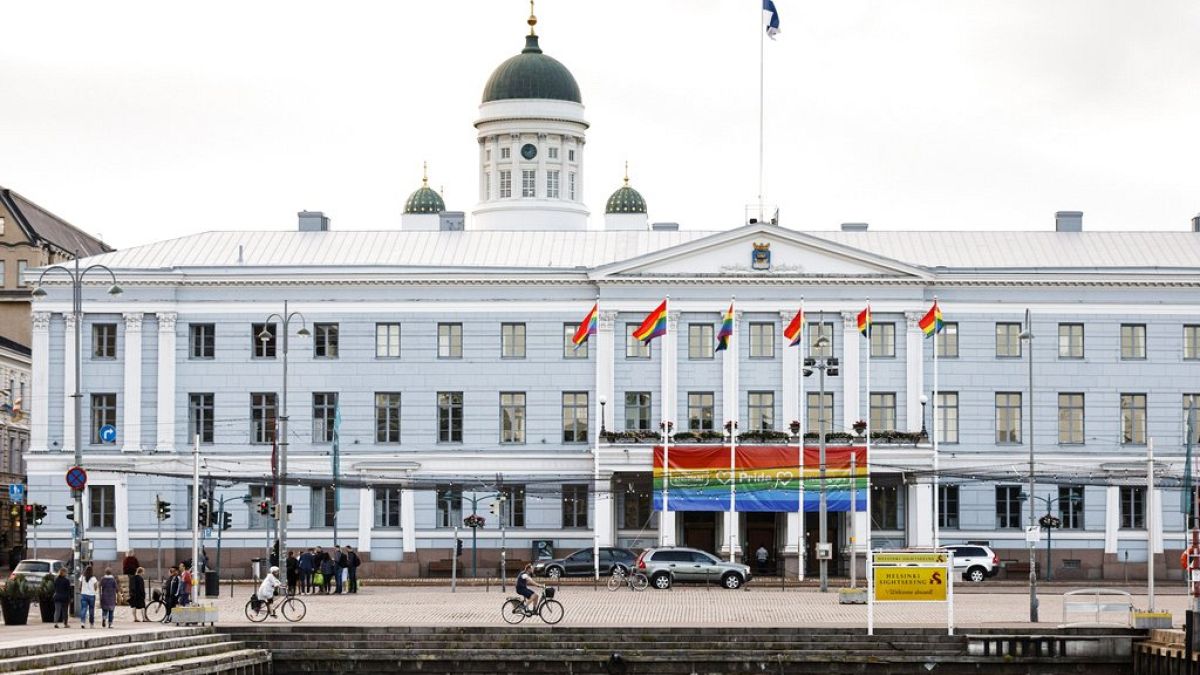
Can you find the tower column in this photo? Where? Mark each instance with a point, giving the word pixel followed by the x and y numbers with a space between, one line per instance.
pixel 39 436
pixel 69 421
pixel 165 433
pixel 851 369
pixel 131 436
pixel 915 364
pixel 541 181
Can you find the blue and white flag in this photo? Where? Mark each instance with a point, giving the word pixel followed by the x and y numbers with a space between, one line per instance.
pixel 770 18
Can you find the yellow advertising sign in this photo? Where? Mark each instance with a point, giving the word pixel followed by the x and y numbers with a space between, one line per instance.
pixel 909 558
pixel 912 584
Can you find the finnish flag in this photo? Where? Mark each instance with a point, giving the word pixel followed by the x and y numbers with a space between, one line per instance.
pixel 770 18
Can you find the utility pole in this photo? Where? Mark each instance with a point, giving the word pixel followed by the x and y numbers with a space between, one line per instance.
pixel 1027 335
pixel 195 512
pixel 823 364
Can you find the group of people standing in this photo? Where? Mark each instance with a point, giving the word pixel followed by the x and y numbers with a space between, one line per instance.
pixel 319 571
pixel 90 589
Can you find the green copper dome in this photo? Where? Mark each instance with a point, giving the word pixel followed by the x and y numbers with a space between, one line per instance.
pixel 531 74
pixel 424 200
pixel 626 200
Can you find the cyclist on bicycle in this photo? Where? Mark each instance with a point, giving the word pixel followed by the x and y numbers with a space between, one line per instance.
pixel 524 581
pixel 266 590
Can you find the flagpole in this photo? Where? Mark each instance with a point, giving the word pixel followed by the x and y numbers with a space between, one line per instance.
pixel 853 476
pixel 936 469
pixel 803 419
pixel 761 111
pixel 732 444
pixel 662 533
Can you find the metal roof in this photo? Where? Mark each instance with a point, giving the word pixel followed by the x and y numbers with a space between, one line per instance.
pixel 965 251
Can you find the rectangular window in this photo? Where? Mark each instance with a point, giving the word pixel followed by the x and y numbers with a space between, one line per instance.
pixel 325 340
pixel 570 155
pixel 816 331
pixel 552 153
pixel 636 503
pixel 948 506
pixel 262 418
pixel 762 340
pixel 200 417
pixel 321 507
pixel 512 340
pixel 575 416
pixel 700 411
pixel 450 416
pixel 512 509
pixel 552 184
pixel 1008 418
pixel 1191 342
pixel 528 183
pixel 324 410
pixel 256 520
pixel 571 181
pixel 505 153
pixel 820 414
pixel 505 180
pixel 3 280
pixel 104 341
pixel 883 411
pixel 202 339
pixel 102 506
pixel 1070 506
pixel 947 341
pixel 887 503
pixel 1133 341
pixel 1190 400
pixel 761 408
pixel 637 411
pixel 1070 341
pixel 575 506
pixel 104 411
pixel 1008 340
pixel 512 417
pixel 487 183
pixel 883 340
pixel 947 412
pixel 387 340
pixel 262 340
pixel 387 417
pixel 635 348
pixel 1133 508
pixel 570 350
pixel 22 265
pixel 1133 419
pixel 1070 419
pixel 450 341
pixel 387 507
pixel 1008 507
pixel 700 341
pixel 449 506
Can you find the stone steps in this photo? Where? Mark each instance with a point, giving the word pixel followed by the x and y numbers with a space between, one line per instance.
pixel 96 652
pixel 181 651
pixel 94 638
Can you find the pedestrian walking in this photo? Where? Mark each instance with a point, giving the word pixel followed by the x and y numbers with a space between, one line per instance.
pixel 62 598
pixel 305 566
pixel 108 598
pixel 88 587
pixel 137 592
pixel 352 569
pixel 185 585
pixel 170 593
pixel 292 567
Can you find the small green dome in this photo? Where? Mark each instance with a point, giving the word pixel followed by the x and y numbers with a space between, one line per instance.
pixel 626 200
pixel 424 200
pixel 531 74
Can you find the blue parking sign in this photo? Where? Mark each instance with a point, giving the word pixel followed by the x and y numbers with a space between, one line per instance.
pixel 16 492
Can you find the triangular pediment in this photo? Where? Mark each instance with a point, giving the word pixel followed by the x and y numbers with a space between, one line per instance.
pixel 762 250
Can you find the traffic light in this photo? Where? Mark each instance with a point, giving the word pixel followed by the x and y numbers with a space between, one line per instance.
pixel 809 364
pixel 832 369
pixel 39 514
pixel 226 520
pixel 264 507
pixel 494 508
pixel 203 519
pixel 162 509
pixel 458 548
pixel 71 512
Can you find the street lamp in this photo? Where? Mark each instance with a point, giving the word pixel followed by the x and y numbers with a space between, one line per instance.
pixel 824 364
pixel 1027 336
pixel 603 402
pixel 77 275
pixel 924 402
pixel 1048 522
pixel 281 436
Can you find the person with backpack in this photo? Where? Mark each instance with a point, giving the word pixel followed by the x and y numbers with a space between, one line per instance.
pixel 341 562
pixel 352 568
pixel 328 570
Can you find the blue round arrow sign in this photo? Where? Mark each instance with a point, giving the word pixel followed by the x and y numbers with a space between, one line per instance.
pixel 108 433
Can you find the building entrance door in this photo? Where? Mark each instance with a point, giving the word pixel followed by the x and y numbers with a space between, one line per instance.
pixel 762 531
pixel 812 534
pixel 700 530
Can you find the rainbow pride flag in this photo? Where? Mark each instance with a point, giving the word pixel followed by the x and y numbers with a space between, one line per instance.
pixel 932 322
pixel 726 331
pixel 794 332
pixel 864 320
pixel 587 327
pixel 654 325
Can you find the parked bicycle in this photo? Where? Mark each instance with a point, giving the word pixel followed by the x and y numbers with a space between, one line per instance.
pixel 292 608
pixel 513 610
pixel 155 609
pixel 634 580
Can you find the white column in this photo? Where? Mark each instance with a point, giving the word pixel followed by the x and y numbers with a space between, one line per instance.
pixel 793 532
pixel 366 517
pixel 605 366
pixel 408 520
pixel 514 154
pixel 915 366
pixel 579 171
pixel 850 372
pixel 540 182
pixel 69 420
pixel 730 521
pixel 1155 536
pixel 730 401
pixel 121 515
pixel 919 525
pixel 603 509
pixel 791 379
pixel 39 390
pixel 1112 518
pixel 166 382
pixel 860 531
pixel 131 435
pixel 670 344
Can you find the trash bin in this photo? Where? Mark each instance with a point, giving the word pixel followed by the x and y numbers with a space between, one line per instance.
pixel 256 567
pixel 212 585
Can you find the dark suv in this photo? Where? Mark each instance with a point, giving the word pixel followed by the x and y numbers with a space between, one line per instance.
pixel 581 563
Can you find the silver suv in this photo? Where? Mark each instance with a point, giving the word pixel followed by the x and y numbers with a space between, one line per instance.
pixel 665 566
pixel 975 562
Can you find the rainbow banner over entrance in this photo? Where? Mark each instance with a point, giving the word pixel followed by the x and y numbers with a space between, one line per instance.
pixel 768 478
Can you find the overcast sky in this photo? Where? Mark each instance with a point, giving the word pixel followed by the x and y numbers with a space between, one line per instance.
pixel 148 120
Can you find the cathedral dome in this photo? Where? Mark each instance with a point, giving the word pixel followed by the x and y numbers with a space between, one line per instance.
pixel 626 200
pixel 424 200
pixel 531 74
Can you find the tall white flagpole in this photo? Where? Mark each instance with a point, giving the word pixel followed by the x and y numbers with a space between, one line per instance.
pixel 936 459
pixel 666 489
pixel 867 468
pixel 761 109
pixel 733 446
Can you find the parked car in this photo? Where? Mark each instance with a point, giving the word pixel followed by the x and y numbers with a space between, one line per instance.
pixel 34 571
pixel 666 566
pixel 975 562
pixel 581 564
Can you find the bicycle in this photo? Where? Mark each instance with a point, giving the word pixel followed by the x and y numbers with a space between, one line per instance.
pixel 292 608
pixel 636 581
pixel 155 610
pixel 551 610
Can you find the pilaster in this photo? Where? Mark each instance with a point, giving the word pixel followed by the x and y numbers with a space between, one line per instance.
pixel 791 398
pixel 851 370
pixel 1112 518
pixel 165 435
pixel 39 432
pixel 1155 535
pixel 121 515
pixel 366 517
pixel 670 345
pixel 540 183
pixel 919 531
pixel 605 367
pixel 408 520
pixel 131 435
pixel 69 421
pixel 915 367
pixel 603 491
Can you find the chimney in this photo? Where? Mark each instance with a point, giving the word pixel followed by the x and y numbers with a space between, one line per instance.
pixel 313 221
pixel 854 227
pixel 1196 223
pixel 1068 221
pixel 664 227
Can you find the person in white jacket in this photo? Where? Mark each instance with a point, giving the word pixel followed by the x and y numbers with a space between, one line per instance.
pixel 266 590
